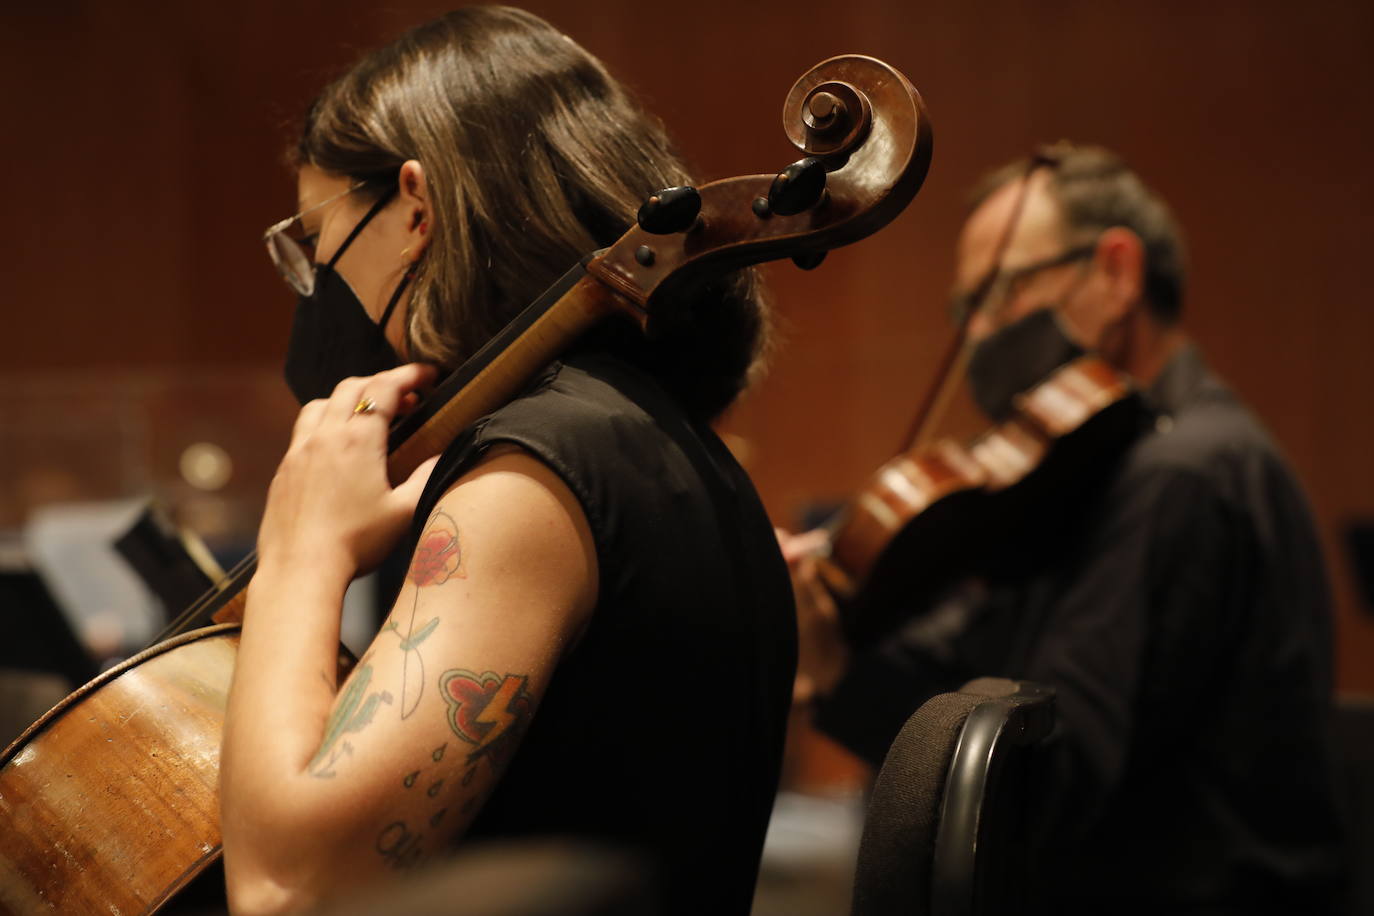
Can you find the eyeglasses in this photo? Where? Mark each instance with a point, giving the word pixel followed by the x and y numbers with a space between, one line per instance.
pixel 999 287
pixel 295 264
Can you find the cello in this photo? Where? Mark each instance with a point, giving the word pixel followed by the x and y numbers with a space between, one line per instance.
pixel 111 799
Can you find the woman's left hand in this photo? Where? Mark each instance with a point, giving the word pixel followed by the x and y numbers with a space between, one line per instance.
pixel 330 500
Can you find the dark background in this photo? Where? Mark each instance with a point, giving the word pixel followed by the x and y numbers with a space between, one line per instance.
pixel 142 159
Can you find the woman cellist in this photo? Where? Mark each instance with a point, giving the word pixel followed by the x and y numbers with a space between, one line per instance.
pixel 595 634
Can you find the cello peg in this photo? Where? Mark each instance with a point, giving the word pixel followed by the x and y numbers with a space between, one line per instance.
pixel 798 187
pixel 809 260
pixel 670 210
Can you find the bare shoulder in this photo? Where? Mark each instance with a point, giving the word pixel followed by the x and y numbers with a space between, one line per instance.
pixel 512 524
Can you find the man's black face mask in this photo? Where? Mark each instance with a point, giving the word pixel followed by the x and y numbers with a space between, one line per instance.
pixel 1015 357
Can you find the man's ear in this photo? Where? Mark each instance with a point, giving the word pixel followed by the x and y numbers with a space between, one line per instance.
pixel 1120 264
pixel 414 195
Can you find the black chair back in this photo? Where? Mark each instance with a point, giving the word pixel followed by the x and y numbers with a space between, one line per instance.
pixel 1354 727
pixel 945 829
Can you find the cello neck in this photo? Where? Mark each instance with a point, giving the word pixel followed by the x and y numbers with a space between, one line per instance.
pixel 497 372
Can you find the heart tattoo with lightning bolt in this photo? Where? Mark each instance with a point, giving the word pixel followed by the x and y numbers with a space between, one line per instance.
pixel 487 710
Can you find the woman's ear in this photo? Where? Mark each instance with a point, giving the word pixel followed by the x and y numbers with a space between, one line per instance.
pixel 414 195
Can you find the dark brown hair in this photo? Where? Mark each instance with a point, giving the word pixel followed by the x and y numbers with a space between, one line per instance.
pixel 1095 191
pixel 534 155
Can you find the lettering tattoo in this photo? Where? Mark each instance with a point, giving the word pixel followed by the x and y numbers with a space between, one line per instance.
pixel 488 711
pixel 353 711
pixel 438 558
pixel 399 846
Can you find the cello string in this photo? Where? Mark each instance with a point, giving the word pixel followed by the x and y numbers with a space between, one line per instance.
pixel 194 609
pixel 197 607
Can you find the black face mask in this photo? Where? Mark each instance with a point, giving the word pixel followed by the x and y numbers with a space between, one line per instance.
pixel 332 336
pixel 1015 358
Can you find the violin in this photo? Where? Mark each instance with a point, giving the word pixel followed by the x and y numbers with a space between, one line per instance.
pixel 969 510
pixel 111 798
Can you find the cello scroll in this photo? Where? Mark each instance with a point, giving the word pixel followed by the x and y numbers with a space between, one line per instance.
pixel 867 126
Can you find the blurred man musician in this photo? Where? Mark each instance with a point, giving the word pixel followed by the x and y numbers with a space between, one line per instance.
pixel 1181 614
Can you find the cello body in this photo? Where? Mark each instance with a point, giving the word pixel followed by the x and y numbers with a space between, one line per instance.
pixel 110 802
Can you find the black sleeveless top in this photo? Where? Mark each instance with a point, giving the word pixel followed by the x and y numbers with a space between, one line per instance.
pixel 662 729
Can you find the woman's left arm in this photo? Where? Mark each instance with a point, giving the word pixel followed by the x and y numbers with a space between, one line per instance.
pixel 324 786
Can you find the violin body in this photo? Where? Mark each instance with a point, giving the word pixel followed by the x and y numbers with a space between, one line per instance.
pixel 976 510
pixel 112 798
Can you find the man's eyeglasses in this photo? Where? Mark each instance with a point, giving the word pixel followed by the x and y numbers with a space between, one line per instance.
pixel 292 251
pixel 1001 286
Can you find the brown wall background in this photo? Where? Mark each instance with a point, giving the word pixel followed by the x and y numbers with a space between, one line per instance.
pixel 141 162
